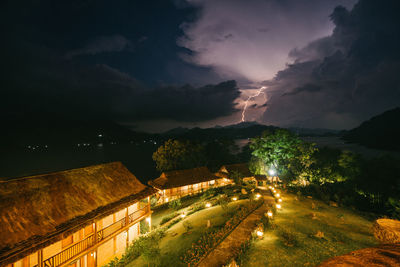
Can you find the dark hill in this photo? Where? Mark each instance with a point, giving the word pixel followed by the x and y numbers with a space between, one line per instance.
pixel 380 132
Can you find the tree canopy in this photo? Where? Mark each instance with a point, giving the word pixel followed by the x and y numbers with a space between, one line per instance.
pixel 175 155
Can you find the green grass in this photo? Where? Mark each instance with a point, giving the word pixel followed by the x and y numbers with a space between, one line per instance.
pixel 177 241
pixel 162 212
pixel 344 231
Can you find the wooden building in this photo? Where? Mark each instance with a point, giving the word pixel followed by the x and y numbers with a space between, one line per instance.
pixel 79 217
pixel 175 184
pixel 228 171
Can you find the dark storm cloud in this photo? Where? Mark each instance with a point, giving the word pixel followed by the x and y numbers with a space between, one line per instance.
pixel 305 88
pixel 97 59
pixel 353 73
pixel 114 43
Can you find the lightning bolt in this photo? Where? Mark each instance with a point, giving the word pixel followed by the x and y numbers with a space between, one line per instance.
pixel 259 92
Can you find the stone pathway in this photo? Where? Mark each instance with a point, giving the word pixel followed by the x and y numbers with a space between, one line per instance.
pixel 231 244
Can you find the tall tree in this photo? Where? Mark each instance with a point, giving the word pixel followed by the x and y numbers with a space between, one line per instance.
pixel 282 151
pixel 175 155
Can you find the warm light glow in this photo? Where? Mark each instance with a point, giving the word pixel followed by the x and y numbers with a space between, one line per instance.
pixel 270 214
pixel 270 187
pixel 183 215
pixel 260 233
pixel 274 191
pixel 148 219
pixel 280 200
pixel 212 182
pixel 234 198
pixel 278 195
pixel 208 205
pixel 278 206
pixel 258 195
pixel 271 172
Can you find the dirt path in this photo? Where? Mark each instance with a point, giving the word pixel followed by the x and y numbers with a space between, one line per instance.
pixel 227 248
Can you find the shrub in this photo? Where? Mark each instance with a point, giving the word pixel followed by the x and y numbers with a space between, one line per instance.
pixel 175 204
pixel 174 222
pixel 153 201
pixel 223 201
pixel 144 227
pixel 168 218
pixel 393 206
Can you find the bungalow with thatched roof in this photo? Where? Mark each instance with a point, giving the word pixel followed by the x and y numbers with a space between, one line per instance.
pixel 228 171
pixel 176 184
pixel 78 217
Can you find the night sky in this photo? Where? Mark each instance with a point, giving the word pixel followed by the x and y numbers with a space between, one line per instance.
pixel 155 65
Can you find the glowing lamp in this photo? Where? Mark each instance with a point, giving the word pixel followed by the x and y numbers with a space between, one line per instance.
pixel 234 198
pixel 260 233
pixel 278 206
pixel 183 215
pixel 271 172
pixel 166 199
pixel 208 205
pixel 258 195
pixel 280 200
pixel 278 195
pixel 270 214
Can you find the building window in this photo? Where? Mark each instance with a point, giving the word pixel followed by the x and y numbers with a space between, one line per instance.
pixel 89 230
pixel 67 241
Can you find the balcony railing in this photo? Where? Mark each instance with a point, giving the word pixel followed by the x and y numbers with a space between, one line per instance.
pixel 90 241
pixel 70 252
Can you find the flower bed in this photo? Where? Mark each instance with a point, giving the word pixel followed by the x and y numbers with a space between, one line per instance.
pixel 209 240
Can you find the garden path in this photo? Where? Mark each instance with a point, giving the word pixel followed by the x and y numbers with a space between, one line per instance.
pixel 229 247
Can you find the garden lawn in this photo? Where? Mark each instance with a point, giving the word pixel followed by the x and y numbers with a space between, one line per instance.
pixel 164 211
pixel 343 231
pixel 177 241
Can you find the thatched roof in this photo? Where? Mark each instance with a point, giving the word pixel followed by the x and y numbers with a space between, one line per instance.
pixel 38 210
pixel 182 177
pixel 227 170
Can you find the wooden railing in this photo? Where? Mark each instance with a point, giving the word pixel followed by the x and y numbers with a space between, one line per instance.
pixel 70 252
pixel 90 241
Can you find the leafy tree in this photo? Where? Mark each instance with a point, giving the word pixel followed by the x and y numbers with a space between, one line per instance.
pixel 237 177
pixel 175 155
pixel 283 151
pixel 175 204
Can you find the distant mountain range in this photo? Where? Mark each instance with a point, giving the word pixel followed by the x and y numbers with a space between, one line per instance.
pixel 380 132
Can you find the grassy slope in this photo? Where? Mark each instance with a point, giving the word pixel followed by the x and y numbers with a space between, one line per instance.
pixel 176 242
pixel 343 230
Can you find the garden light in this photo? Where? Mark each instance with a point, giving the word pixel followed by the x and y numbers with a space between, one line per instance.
pixel 260 233
pixel 278 206
pixel 278 195
pixel 271 172
pixel 258 195
pixel 280 200
pixel 234 198
pixel 183 215
pixel 270 214
pixel 166 200
pixel 208 205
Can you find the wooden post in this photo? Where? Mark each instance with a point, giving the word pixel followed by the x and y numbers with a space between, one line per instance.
pixel 40 258
pixel 95 232
pixel 126 224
